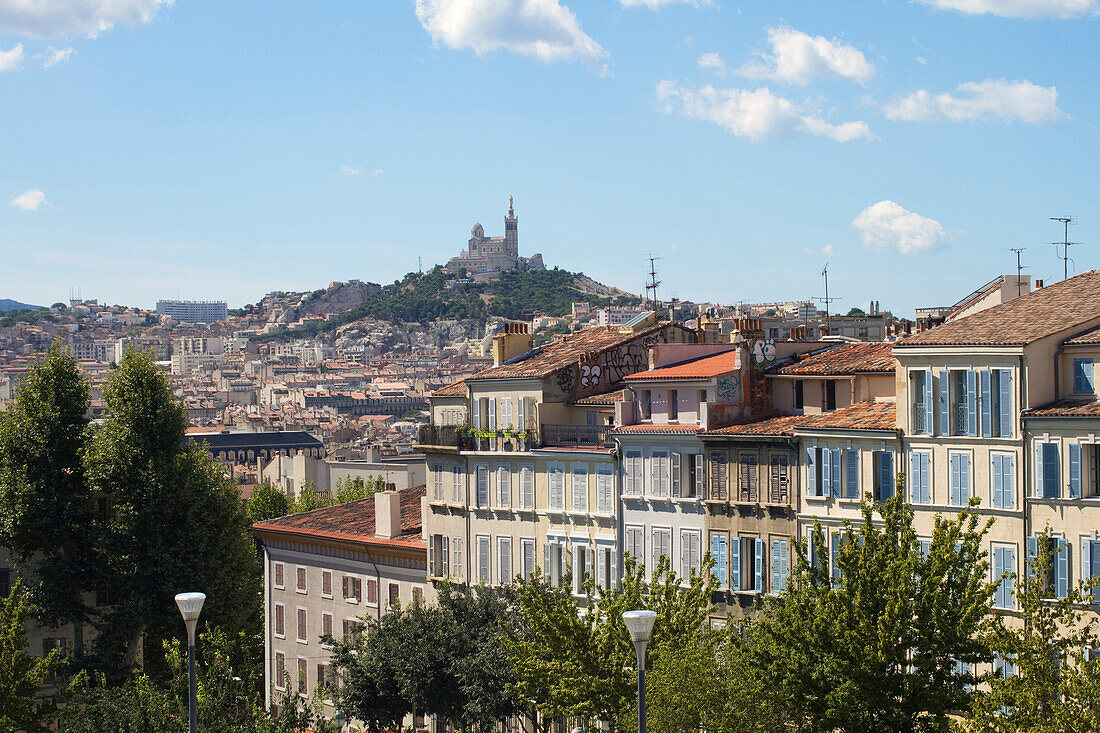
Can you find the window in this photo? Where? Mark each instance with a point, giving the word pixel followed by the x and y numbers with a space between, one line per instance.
pixel 506 412
pixel 884 474
pixel 659 474
pixel 1002 485
pixel 1090 562
pixel 280 671
pixel 746 477
pixel 851 474
pixel 690 553
pixel 417 595
pixel 719 544
pixel 504 487
pixel 920 477
pixel 555 562
pixel 483 576
pixel 326 583
pixel 279 575
pixel 823 471
pixel 579 488
pixel 605 568
pixel 799 394
pixel 438 556
pixel 280 620
pixel 828 395
pixel 662 545
pixel 1074 450
pixel 482 487
pixel 528 548
pixel 527 487
pixel 457 494
pixel 1082 377
pixel 458 560
pixel 697 474
pixel 747 564
pixel 780 564
pixel 1046 471
pixel 326 623
pixel 647 404
pixel 353 589
pixel 959 488
pixel 962 399
pixel 301 576
pixel 779 481
pixel 632 465
pixel 673 405
pixel 557 487
pixel 718 475
pixel 581 568
pixel 394 595
pixel 1055 581
pixel 1004 568
pixel 372 591
pixel 302 626
pixel 677 475
pixel 635 543
pixel 437 482
pixel 303 676
pixel 605 491
pixel 1000 404
pixel 921 391
pixel 504 560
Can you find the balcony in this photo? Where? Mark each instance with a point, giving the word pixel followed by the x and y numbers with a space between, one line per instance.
pixel 463 438
pixel 570 435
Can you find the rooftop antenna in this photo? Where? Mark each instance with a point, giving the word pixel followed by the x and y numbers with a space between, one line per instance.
pixel 651 286
pixel 1066 244
pixel 826 300
pixel 1019 269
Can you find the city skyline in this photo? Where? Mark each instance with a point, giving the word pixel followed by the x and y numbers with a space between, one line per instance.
pixel 161 150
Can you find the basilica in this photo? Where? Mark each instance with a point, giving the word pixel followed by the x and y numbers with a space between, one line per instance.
pixel 486 257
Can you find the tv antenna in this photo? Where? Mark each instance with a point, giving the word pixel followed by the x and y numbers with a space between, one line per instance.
pixel 826 300
pixel 651 286
pixel 1019 269
pixel 1066 244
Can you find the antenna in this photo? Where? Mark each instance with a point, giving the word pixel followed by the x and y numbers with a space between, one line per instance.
pixel 1066 244
pixel 651 286
pixel 419 265
pixel 826 300
pixel 1019 269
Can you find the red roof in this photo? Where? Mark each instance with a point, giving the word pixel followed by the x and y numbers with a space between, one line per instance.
pixel 704 368
pixel 781 425
pixel 1089 337
pixel 647 429
pixel 354 522
pixel 603 399
pixel 848 358
pixel 454 389
pixel 1066 408
pixel 859 416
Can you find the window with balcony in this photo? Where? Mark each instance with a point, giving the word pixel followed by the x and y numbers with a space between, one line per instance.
pixel 920 389
pixel 747 564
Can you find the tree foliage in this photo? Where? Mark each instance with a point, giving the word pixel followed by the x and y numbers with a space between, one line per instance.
pixel 267 502
pixel 21 674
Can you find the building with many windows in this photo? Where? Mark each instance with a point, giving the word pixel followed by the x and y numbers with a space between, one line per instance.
pixel 193 311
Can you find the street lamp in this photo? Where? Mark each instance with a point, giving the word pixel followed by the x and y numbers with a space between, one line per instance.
pixel 339 719
pixel 190 605
pixel 640 624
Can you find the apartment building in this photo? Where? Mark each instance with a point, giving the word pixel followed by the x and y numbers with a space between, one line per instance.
pixel 327 570
pixel 528 480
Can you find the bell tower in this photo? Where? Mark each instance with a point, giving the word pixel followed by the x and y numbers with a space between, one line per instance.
pixel 511 231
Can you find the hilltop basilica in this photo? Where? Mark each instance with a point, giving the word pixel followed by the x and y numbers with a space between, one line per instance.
pixel 486 257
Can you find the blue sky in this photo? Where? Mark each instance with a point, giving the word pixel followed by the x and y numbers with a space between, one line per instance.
pixel 224 150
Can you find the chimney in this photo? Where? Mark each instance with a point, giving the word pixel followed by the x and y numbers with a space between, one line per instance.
pixel 1038 284
pixel 514 340
pixel 387 513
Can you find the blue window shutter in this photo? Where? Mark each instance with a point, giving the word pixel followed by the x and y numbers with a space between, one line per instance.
pixel 777 585
pixel 987 405
pixel 964 478
pixel 1088 376
pixel 955 487
pixel 1040 487
pixel 1032 551
pixel 996 486
pixel 1010 583
pixel 852 479
pixel 1094 552
pixel 1005 404
pixel 914 478
pixel 1062 562
pixel 718 552
pixel 1082 376
pixel 811 471
pixel 1008 485
pixel 834 554
pixel 1075 470
pixel 826 473
pixel 926 477
pixel 971 403
pixel 835 468
pixel 735 563
pixel 1086 559
pixel 929 409
pixel 1051 485
pixel 998 570
pixel 886 475
pixel 758 580
pixel 945 404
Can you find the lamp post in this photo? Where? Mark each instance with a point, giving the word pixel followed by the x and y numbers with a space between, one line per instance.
pixel 339 719
pixel 640 625
pixel 190 605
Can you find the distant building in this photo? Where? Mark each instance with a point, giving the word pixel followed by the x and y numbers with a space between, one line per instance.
pixel 485 257
pixel 193 311
pixel 1000 289
pixel 614 315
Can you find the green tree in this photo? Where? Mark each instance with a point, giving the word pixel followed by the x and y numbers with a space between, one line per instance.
pixel 267 502
pixel 46 508
pixel 176 521
pixel 21 674
pixel 1045 677
pixel 882 643
pixel 355 488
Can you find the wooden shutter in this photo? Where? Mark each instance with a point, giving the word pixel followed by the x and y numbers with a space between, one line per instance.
pixel 835 468
pixel 851 478
pixel 718 544
pixel 945 404
pixel 1005 404
pixel 677 475
pixel 1075 470
pixel 811 471
pixel 758 565
pixel 735 563
pixel 433 549
pixel 1062 568
pixel 987 404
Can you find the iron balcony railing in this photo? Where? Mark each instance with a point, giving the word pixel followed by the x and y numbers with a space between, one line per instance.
pixel 465 438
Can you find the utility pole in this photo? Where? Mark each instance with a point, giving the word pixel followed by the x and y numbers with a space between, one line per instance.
pixel 651 286
pixel 1019 270
pixel 1066 244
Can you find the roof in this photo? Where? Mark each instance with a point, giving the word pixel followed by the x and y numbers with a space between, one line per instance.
pixel 244 440
pixel 603 399
pixel 1066 408
pixel 1089 337
pixel 1020 321
pixel 556 355
pixel 858 416
pixel 704 368
pixel 648 429
pixel 354 522
pixel 454 389
pixel 777 425
pixel 848 358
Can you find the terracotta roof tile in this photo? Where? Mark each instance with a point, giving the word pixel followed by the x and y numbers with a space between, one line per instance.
pixel 1066 408
pixel 454 389
pixel 848 358
pixel 859 416
pixel 781 425
pixel 703 368
pixel 1058 307
pixel 1089 337
pixel 646 429
pixel 604 398
pixel 354 522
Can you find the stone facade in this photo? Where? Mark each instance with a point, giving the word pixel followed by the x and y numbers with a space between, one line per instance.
pixel 488 256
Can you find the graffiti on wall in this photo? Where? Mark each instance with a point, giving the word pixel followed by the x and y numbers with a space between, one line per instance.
pixel 729 388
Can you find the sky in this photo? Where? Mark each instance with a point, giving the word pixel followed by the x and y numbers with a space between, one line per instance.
pixel 209 150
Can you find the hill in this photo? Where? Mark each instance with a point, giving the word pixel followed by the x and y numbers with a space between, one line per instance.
pixel 6 304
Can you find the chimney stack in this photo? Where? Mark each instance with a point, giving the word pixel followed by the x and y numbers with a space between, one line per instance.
pixel 387 513
pixel 514 340
pixel 1038 284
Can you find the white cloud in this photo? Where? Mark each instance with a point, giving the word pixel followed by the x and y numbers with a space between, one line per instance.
pixel 12 60
pixel 378 171
pixel 922 61
pixel 545 29
pixel 828 249
pixel 350 170
pixel 797 58
pixel 50 18
pixel 55 56
pixel 887 225
pixel 713 62
pixel 30 200
pixel 1020 8
pixel 754 115
pixel 658 4
pixel 992 99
